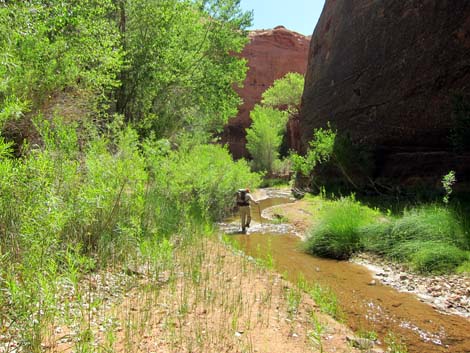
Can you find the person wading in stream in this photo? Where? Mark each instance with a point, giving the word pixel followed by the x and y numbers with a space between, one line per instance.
pixel 244 199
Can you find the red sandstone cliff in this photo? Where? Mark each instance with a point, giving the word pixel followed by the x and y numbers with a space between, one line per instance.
pixel 271 54
pixel 385 72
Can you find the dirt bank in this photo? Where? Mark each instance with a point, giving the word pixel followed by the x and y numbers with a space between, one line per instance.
pixel 212 299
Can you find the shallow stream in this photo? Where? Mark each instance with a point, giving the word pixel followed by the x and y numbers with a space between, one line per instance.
pixel 367 307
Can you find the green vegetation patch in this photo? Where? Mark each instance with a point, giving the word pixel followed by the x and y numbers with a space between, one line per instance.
pixel 430 239
pixel 437 258
pixel 337 234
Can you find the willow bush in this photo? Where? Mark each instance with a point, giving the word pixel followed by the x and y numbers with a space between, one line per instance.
pixel 75 205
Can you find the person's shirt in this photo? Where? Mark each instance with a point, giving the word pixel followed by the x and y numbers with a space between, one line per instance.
pixel 250 199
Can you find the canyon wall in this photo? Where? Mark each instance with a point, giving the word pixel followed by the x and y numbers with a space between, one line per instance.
pixel 386 74
pixel 270 55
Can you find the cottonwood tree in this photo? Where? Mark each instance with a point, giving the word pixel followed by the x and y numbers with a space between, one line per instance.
pixel 49 46
pixel 180 64
pixel 285 93
pixel 265 135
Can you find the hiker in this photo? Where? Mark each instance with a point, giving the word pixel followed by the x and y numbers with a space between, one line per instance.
pixel 243 202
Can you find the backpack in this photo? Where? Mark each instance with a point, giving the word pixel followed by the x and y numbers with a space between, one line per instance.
pixel 241 198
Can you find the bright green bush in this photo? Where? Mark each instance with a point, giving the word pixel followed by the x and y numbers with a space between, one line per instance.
pixel 264 137
pixel 337 234
pixel 428 238
pixel 419 235
pixel 320 150
pixel 197 181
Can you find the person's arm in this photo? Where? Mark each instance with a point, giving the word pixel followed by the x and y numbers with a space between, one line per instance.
pixel 252 199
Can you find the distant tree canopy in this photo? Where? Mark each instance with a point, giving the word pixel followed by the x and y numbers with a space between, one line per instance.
pixel 166 65
pixel 285 93
pixel 265 135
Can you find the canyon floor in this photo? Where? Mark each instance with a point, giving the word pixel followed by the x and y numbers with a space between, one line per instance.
pixel 213 299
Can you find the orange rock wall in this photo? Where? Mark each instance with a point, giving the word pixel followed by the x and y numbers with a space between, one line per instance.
pixel 271 54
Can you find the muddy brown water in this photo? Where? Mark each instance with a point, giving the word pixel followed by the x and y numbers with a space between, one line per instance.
pixel 367 307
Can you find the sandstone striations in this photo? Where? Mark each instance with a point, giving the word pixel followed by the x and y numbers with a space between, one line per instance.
pixel 385 73
pixel 270 54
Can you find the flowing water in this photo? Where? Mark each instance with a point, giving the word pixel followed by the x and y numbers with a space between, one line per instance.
pixel 367 307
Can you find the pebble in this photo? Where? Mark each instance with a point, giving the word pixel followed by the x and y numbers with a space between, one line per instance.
pixel 361 343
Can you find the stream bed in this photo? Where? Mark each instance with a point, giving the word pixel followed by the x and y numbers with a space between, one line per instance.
pixel 368 304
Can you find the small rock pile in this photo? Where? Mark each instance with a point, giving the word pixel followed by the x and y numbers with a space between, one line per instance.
pixel 446 293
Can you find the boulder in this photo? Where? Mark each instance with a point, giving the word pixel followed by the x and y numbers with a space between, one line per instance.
pixel 270 55
pixel 385 74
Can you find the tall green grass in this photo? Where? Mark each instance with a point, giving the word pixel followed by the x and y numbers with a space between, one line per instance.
pixel 337 236
pixel 429 238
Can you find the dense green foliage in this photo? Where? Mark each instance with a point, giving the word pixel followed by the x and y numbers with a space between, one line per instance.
pixel 62 215
pixel 265 136
pixel 428 238
pixel 286 93
pixel 47 48
pixel 320 150
pixel 420 237
pixel 117 98
pixel 337 234
pixel 180 67
pixel 166 65
pixel 279 102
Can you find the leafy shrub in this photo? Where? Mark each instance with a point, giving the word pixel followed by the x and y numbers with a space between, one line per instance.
pixel 320 150
pixel 337 234
pixel 197 181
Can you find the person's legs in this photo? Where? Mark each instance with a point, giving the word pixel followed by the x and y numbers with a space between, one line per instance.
pixel 248 217
pixel 243 213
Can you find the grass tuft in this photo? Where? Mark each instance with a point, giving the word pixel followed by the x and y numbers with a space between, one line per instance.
pixel 337 234
pixel 437 258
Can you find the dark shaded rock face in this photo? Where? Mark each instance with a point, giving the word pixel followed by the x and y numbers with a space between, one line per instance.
pixel 385 72
pixel 270 54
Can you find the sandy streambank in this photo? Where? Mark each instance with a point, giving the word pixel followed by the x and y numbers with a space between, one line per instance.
pixel 211 299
